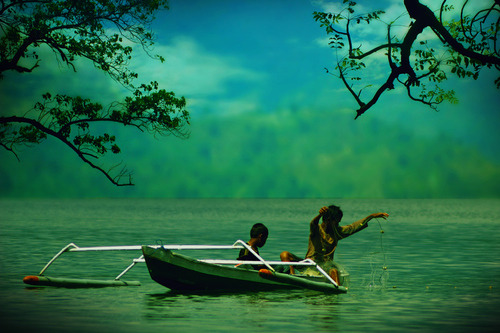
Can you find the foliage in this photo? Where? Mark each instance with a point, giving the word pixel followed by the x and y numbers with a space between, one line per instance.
pixel 275 154
pixel 464 45
pixel 102 32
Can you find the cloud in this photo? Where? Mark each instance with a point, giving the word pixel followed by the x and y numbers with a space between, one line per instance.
pixel 199 75
pixel 208 80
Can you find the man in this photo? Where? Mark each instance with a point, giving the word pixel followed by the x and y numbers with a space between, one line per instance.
pixel 324 237
pixel 258 238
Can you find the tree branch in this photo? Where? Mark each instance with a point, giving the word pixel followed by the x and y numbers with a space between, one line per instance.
pixel 425 17
pixel 396 71
pixel 389 84
pixel 11 150
pixel 356 96
pixel 79 153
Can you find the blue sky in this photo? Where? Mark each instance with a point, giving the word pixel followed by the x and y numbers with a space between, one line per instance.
pixel 241 57
pixel 231 56
pixel 251 53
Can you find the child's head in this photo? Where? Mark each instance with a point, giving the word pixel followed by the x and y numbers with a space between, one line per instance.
pixel 260 232
pixel 333 214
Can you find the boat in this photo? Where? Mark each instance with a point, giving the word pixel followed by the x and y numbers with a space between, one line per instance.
pixel 180 272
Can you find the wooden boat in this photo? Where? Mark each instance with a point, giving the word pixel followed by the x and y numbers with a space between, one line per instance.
pixel 179 272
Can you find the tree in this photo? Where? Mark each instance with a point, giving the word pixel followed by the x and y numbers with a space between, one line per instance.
pixel 465 44
pixel 100 31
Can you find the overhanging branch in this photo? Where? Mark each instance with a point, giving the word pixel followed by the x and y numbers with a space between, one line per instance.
pixel 78 152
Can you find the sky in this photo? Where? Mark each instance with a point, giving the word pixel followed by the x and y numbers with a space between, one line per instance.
pixel 242 56
pixel 251 59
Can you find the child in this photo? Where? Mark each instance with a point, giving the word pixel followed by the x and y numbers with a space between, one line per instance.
pixel 258 238
pixel 324 237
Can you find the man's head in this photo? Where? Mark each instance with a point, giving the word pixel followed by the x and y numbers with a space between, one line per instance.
pixel 333 215
pixel 259 231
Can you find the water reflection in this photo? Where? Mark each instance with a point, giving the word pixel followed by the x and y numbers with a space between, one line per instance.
pixel 280 310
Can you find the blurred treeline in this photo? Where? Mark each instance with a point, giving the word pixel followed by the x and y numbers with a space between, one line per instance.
pixel 287 153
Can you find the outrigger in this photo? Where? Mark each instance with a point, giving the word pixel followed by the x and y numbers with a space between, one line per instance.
pixel 179 272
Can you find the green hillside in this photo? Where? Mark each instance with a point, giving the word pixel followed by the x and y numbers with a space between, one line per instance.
pixel 282 154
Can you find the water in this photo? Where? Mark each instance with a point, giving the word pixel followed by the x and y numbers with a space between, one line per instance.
pixel 441 258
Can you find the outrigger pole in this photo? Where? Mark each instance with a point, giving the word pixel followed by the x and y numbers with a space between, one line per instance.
pixel 41 280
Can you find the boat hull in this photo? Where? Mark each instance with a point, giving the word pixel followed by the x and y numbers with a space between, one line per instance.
pixel 179 272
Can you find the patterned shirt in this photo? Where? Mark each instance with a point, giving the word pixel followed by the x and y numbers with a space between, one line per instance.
pixel 323 242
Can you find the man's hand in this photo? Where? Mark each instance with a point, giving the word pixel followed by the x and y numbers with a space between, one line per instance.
pixel 378 215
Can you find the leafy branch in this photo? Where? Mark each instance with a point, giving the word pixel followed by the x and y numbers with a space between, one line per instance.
pixel 470 44
pixel 101 31
pixel 71 120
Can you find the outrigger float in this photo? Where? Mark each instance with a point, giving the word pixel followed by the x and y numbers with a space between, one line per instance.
pixel 179 272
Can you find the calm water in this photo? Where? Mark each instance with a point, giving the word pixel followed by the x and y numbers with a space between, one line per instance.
pixel 441 258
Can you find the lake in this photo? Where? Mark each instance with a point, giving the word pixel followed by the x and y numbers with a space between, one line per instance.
pixel 433 266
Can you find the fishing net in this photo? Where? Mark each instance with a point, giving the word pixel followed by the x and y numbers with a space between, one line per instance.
pixel 377 258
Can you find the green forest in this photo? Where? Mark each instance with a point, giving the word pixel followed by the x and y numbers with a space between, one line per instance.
pixel 284 154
